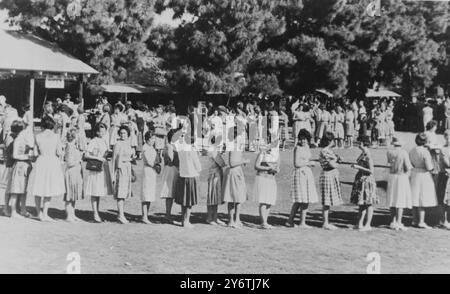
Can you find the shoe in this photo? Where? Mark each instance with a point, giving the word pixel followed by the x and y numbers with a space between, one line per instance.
pixel 329 227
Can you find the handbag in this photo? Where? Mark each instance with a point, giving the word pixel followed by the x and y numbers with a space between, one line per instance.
pixel 94 165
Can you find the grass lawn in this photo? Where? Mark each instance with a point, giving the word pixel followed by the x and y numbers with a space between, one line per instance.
pixel 29 246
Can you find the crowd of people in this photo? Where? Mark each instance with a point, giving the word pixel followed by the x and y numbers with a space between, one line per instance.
pixel 63 161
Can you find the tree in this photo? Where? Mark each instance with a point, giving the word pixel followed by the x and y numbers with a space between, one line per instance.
pixel 110 35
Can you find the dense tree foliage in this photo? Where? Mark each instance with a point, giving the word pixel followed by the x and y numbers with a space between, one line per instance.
pixel 260 46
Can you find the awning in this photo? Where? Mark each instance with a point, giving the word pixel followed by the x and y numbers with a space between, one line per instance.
pixel 381 93
pixel 136 89
pixel 20 51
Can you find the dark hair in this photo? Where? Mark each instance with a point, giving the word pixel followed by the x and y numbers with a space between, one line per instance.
pixel 431 124
pixel 365 141
pixel 119 106
pixel 304 134
pixel 421 139
pixel 124 128
pixel 17 126
pixel 98 127
pixel 327 138
pixel 170 135
pixel 47 123
pixel 148 135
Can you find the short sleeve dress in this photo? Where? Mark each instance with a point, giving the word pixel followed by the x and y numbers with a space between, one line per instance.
pixel 303 187
pixel 364 190
pixel 98 183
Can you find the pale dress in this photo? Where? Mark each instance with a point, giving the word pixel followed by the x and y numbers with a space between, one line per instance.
pixel 422 184
pixel 47 177
pixel 122 169
pixel 234 187
pixel 73 173
pixel 98 183
pixel 398 187
pixel 170 172
pixel 148 191
pixel 265 186
pixel 303 187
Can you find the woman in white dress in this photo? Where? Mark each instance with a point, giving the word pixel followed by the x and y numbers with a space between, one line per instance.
pixel 422 184
pixel 399 194
pixel 148 186
pixel 47 176
pixel 98 183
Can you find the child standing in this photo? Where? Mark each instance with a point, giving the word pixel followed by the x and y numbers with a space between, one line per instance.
pixel 364 187
pixel 150 157
pixel 73 176
pixel 398 187
pixel 330 187
pixel 303 187
pixel 265 188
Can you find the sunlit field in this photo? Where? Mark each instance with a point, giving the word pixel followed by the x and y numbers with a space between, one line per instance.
pixel 29 246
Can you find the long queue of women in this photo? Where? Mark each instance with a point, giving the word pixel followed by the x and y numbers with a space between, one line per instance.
pixel 34 168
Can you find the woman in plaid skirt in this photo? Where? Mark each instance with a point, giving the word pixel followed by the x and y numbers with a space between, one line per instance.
pixel 303 188
pixel 330 187
pixel 364 187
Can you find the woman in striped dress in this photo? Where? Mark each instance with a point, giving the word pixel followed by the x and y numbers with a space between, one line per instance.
pixel 364 187
pixel 330 187
pixel 215 179
pixel 303 187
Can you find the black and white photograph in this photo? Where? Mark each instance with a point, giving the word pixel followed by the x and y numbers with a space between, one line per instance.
pixel 224 137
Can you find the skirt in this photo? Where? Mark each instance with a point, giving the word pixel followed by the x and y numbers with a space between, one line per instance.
pixel 186 193
pixel 215 196
pixel 330 188
pixel 364 191
pixel 148 192
pixel 284 133
pixel 349 129
pixel 390 130
pixel 339 131
pixel 98 183
pixel 123 182
pixel 382 128
pixel 323 128
pixel 169 181
pixel 441 187
pixel 399 191
pixel 81 140
pixel 47 178
pixel 303 187
pixel 265 189
pixel 74 183
pixel 6 179
pixel 19 178
pixel 234 187
pixel 422 188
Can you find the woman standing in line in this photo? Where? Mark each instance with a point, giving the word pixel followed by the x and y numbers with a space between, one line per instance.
pixel 215 180
pixel 123 154
pixel 170 173
pixel 73 176
pixel 364 192
pixel 303 187
pixel 80 125
pixel 267 165
pixel 422 185
pixel 443 184
pixel 330 186
pixel 187 187
pixel 349 126
pixel 47 177
pixel 150 158
pixel 17 185
pixel 398 187
pixel 234 190
pixel 98 181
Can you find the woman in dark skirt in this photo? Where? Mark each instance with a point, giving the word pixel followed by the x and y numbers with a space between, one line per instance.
pixel 187 187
